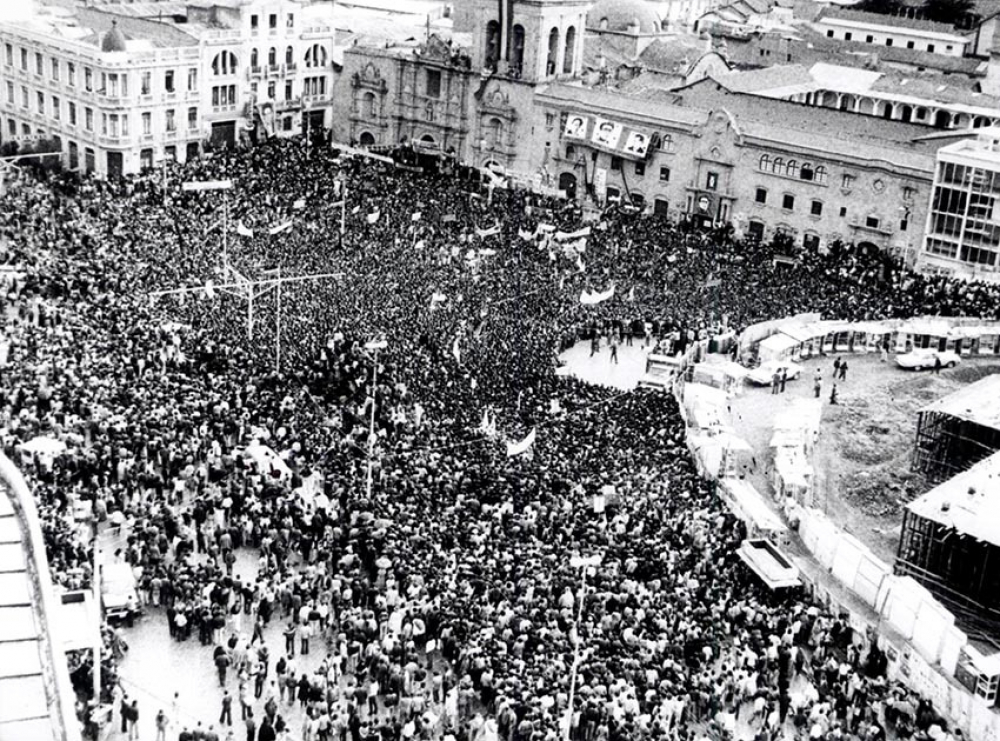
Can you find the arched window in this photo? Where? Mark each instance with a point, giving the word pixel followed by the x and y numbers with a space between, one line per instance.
pixel 272 57
pixel 367 139
pixel 369 107
pixel 495 132
pixel 765 162
pixel 792 169
pixel 316 56
pixel 289 55
pixel 570 51
pixel 550 64
pixel 820 175
pixel 492 44
pixel 517 50
pixel 807 172
pixel 778 165
pixel 254 59
pixel 224 63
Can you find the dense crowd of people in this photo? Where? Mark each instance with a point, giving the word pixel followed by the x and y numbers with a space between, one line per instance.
pixel 440 584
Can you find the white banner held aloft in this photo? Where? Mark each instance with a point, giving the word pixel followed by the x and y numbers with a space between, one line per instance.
pixel 416 216
pixel 595 298
pixel 483 233
pixel 243 231
pixel 372 218
pixel 527 236
pixel 438 298
pixel 299 204
pixel 523 446
pixel 563 236
pixel 280 228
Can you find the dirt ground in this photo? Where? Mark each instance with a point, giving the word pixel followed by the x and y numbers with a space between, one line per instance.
pixel 862 459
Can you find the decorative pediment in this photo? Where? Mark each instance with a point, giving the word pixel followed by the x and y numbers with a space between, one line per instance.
pixel 435 49
pixel 370 73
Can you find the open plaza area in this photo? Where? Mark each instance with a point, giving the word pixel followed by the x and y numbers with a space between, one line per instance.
pixel 533 370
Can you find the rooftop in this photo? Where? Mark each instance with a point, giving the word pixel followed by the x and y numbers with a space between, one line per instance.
pixel 622 16
pixel 891 21
pixel 779 79
pixel 967 502
pixel 978 402
pixel 839 132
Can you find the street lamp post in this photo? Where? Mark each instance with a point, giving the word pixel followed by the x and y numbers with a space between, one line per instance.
pixel 374 346
pixel 583 563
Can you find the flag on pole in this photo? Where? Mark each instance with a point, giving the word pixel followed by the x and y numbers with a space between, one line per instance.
pixel 631 294
pixel 483 233
pixel 243 231
pixel 299 204
pixel 456 350
pixel 595 298
pixel 525 235
pixel 416 216
pixel 579 264
pixel 280 228
pixel 514 449
pixel 419 244
pixel 372 218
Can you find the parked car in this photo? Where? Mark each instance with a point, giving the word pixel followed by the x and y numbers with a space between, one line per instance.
pixel 118 593
pixel 926 358
pixel 762 374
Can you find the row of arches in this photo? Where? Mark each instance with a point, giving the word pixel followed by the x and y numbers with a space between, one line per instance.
pixel 940 118
pixel 226 63
pixel 556 44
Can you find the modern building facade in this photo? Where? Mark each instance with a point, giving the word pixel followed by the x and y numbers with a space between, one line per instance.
pixel 962 232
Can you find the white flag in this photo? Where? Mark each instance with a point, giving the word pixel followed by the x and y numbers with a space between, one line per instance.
pixel 355 209
pixel 631 294
pixel 210 290
pixel 437 298
pixel 521 447
pixel 456 350
pixel 372 218
pixel 419 244
pixel 280 228
pixel 595 298
pixel 527 236
pixel 579 264
pixel 299 204
pixel 243 231
pixel 416 216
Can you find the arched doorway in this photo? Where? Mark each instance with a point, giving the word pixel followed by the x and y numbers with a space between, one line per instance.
pixel 567 183
pixel 867 248
pixel 943 120
pixel 428 140
pixel 367 139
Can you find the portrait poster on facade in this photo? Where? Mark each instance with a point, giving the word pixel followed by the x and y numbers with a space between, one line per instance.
pixel 606 133
pixel 576 127
pixel 636 144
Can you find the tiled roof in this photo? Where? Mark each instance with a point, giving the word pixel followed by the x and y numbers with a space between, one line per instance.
pixel 818 128
pixel 893 21
pixel 666 55
pixel 766 78
pixel 856 54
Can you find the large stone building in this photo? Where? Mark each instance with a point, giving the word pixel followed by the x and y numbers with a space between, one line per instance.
pixel 119 90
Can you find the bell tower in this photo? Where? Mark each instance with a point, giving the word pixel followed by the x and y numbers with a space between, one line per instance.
pixel 534 41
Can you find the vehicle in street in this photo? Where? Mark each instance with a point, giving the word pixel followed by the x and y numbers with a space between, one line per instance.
pixel 118 593
pixel 764 373
pixel 924 358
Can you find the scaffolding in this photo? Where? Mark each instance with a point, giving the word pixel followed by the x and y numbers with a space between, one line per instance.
pixel 950 543
pixel 958 431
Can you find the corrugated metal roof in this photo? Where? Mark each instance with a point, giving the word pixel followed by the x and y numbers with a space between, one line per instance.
pixel 969 501
pixel 978 403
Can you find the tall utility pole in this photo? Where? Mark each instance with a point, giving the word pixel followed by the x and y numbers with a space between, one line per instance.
pixel 375 346
pixel 582 563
